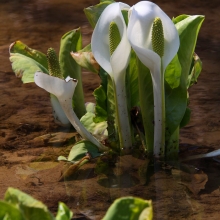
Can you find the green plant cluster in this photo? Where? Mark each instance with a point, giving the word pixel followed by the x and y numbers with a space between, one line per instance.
pixel 18 205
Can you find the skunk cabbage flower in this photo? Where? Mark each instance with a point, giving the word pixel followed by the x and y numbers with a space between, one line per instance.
pixel 142 16
pixel 111 50
pixel 64 90
pixel 155 40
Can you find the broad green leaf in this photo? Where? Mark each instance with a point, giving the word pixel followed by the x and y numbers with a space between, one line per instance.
pixel 113 136
pixel 93 12
pixel 63 212
pixel 87 48
pixel 101 105
pixel 179 18
pixel 176 99
pixel 186 118
pixel 80 149
pixel 188 30
pixel 173 73
pixel 99 130
pixel 195 71
pixel 25 67
pixel 21 48
pixel 72 42
pixel 107 1
pixel 130 208
pixel 175 104
pixel 104 79
pixel 10 212
pixel 146 104
pixel 30 207
pixel 172 145
pixel 132 82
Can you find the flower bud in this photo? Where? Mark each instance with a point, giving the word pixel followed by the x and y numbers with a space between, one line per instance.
pixel 53 64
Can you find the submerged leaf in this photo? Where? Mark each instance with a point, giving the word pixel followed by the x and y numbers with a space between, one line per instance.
pixel 195 182
pixel 80 149
pixel 71 169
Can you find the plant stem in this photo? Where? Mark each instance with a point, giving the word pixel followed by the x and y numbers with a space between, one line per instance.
pixel 122 116
pixel 67 107
pixel 159 111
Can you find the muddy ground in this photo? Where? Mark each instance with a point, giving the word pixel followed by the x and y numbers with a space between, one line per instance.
pixel 30 163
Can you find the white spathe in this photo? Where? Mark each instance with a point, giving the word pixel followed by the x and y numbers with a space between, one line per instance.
pixel 64 90
pixel 119 60
pixel 141 18
pixel 115 65
pixel 139 31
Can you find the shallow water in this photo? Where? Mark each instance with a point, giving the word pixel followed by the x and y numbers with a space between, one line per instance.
pixel 178 191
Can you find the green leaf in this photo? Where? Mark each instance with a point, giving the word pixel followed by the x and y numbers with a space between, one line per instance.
pixel 176 99
pixel 10 212
pixel 107 1
pixel 172 145
pixel 195 71
pixel 188 30
pixel 90 107
pixel 176 102
pixel 132 82
pixel 87 48
pixel 72 42
pixel 186 118
pixel 101 105
pixel 93 12
pixel 25 67
pixel 80 149
pixel 146 104
pixel 179 18
pixel 63 212
pixel 30 207
pixel 130 208
pixel 173 73
pixel 113 136
pixel 99 129
pixel 21 48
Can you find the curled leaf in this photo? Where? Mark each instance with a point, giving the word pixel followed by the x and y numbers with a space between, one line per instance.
pixel 86 60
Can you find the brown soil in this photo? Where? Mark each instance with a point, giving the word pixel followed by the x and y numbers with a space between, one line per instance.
pixel 29 162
